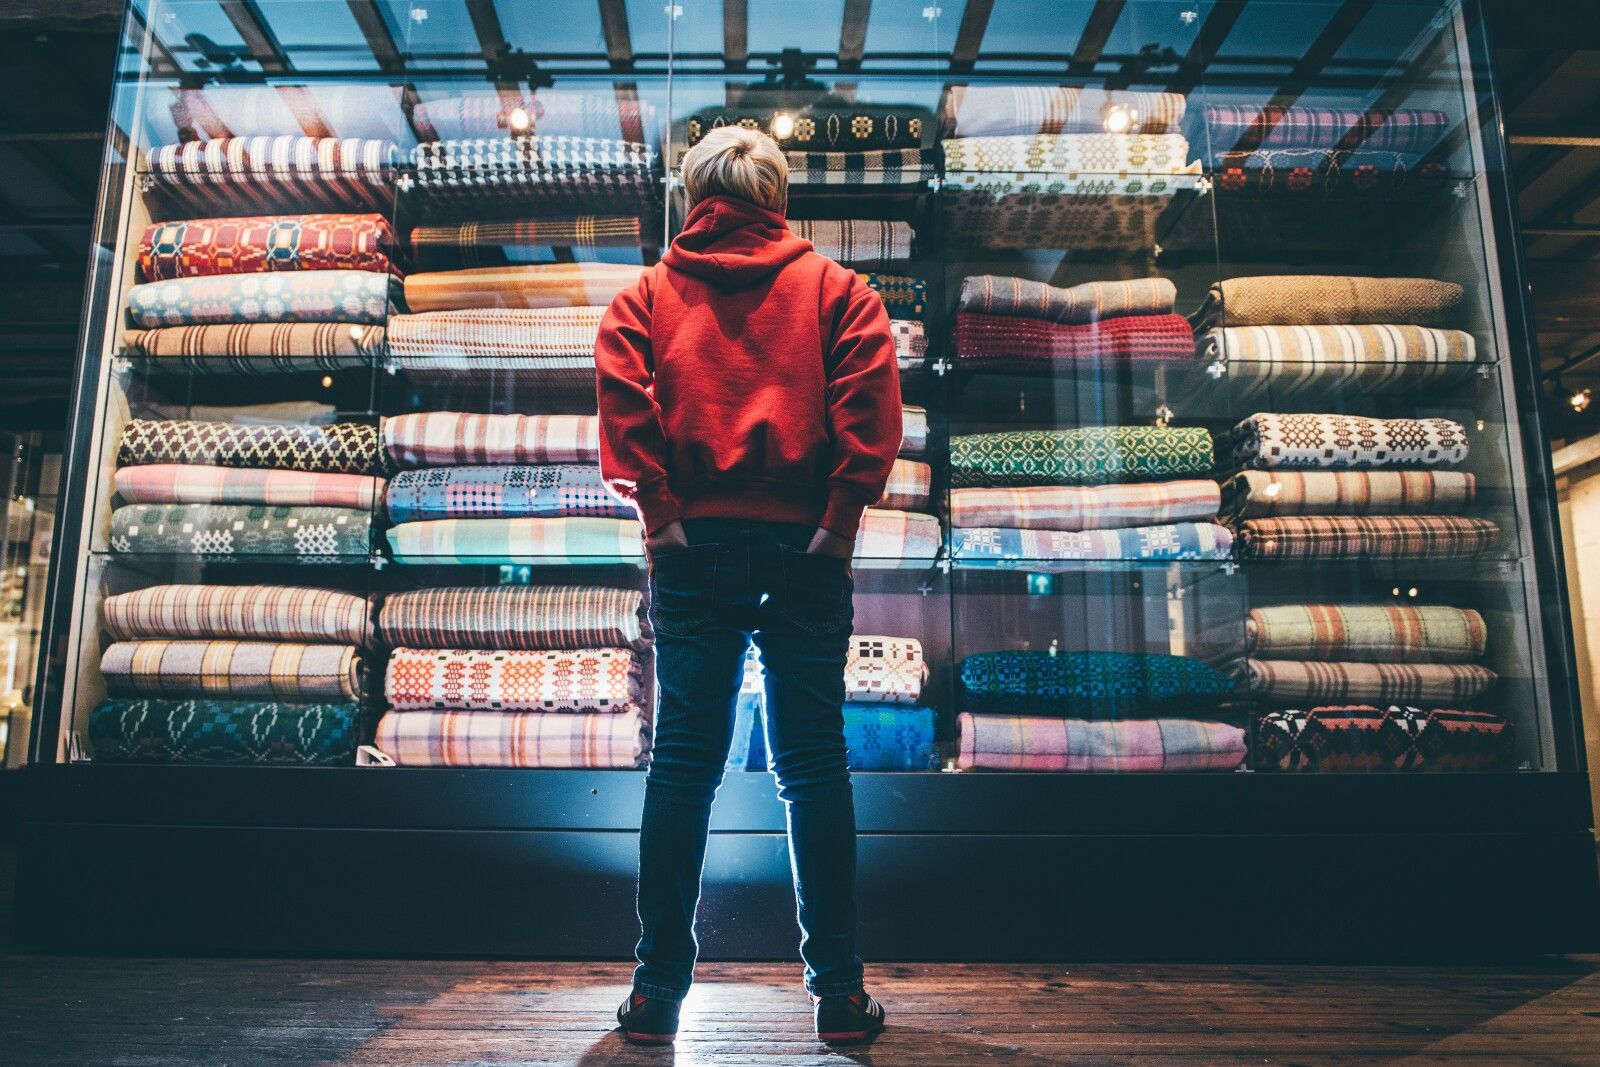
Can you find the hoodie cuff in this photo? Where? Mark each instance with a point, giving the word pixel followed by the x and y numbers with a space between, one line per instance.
pixel 842 516
pixel 657 506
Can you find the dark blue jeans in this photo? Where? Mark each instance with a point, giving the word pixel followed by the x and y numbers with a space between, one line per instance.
pixel 736 581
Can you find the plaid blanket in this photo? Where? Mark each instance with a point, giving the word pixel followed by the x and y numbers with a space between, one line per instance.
pixel 857 241
pixel 913 430
pixel 904 297
pixel 1099 507
pixel 1366 537
pixel 1088 685
pixel 535 285
pixel 513 739
pixel 987 546
pixel 1309 172
pixel 880 738
pixel 904 166
pixel 495 244
pixel 1011 743
pixel 1364 739
pixel 249 533
pixel 1266 441
pixel 1387 633
pixel 877 670
pixel 1293 681
pixel 910 342
pixel 888 538
pixel 223 731
pixel 248 670
pixel 1122 155
pixel 537 174
pixel 1285 360
pixel 258 347
pixel 476 334
pixel 356 296
pixel 576 681
pixel 1258 494
pixel 823 127
pixel 502 492
pixel 1002 110
pixel 196 179
pixel 997 294
pixel 549 112
pixel 175 483
pixel 519 540
pixel 516 617
pixel 1328 299
pixel 1245 127
pixel 260 612
pixel 449 438
pixel 909 486
pixel 1086 456
pixel 341 448
pixel 1008 341
pixel 257 244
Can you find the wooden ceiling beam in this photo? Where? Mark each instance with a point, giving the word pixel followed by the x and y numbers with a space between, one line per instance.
pixel 258 38
pixel 853 33
pixel 1207 43
pixel 1096 32
pixel 619 41
pixel 735 34
pixel 969 35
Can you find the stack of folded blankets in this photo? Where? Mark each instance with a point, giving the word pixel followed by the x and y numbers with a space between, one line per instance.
pixel 1021 498
pixel 865 243
pixel 833 143
pixel 900 529
pixel 273 173
pixel 1290 335
pixel 885 727
pixel 1067 167
pixel 1013 324
pixel 232 674
pixel 1093 711
pixel 1305 150
pixel 492 489
pixel 1372 687
pixel 491 243
pixel 1349 487
pixel 513 676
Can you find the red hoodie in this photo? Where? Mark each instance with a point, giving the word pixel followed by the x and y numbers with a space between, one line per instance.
pixel 746 376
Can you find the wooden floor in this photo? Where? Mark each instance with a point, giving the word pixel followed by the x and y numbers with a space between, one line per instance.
pixel 77 1011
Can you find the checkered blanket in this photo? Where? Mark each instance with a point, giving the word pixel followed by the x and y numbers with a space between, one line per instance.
pixel 342 448
pixel 502 492
pixel 256 244
pixel 1013 342
pixel 175 483
pixel 495 244
pixel 449 438
pixel 1290 681
pixel 513 739
pixel 223 731
pixel 1010 743
pixel 536 174
pixel 243 532
pixel 909 484
pixel 249 670
pixel 197 179
pixel 1389 633
pixel 1258 494
pixel 1267 441
pixel 354 296
pixel 262 612
pixel 534 285
pixel 1366 739
pixel 904 297
pixel 548 112
pixel 518 540
pixel 518 617
pixel 857 241
pixel 473 335
pixel 888 539
pixel 1087 456
pixel 1099 507
pixel 576 681
pixel 913 430
pixel 910 342
pixel 258 347
pixel 905 167
pixel 1328 299
pixel 987 546
pixel 1366 537
pixel 1004 110
pixel 877 670
pixel 997 294
pixel 1288 360
pixel 1244 127
pixel 1089 685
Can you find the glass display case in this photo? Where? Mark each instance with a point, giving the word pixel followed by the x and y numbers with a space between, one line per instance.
pixel 1221 532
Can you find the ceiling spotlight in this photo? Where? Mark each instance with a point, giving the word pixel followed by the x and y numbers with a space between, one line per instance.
pixel 327 381
pixel 1118 118
pixel 782 126
pixel 518 120
pixel 1412 592
pixel 1580 399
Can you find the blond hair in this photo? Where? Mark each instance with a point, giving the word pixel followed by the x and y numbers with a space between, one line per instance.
pixel 741 162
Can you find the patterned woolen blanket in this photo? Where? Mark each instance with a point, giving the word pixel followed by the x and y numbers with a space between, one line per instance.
pixel 1363 738
pixel 1088 456
pixel 1005 341
pixel 981 546
pixel 351 296
pixel 593 680
pixel 495 492
pixel 1267 441
pixel 1384 633
pixel 259 244
pixel 1012 743
pixel 1324 299
pixel 341 448
pixel 241 612
pixel 519 617
pixel 243 532
pixel 999 294
pixel 223 731
pixel 251 670
pixel 1088 685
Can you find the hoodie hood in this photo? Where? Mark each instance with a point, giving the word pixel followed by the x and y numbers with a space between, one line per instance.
pixel 732 243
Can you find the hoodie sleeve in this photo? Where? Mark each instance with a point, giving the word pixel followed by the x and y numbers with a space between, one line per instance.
pixel 633 446
pixel 863 409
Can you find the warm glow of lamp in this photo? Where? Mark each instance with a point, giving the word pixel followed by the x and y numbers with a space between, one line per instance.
pixel 327 381
pixel 782 126
pixel 1580 400
pixel 518 120
pixel 1118 118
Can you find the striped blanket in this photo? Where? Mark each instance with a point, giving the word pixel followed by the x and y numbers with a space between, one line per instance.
pixel 1289 682
pixel 496 244
pixel 258 347
pixel 223 731
pixel 1366 537
pixel 261 612
pixel 520 540
pixel 178 483
pixel 258 244
pixel 516 617
pixel 1010 743
pixel 1087 456
pixel 449 438
pixel 195 179
pixel 1074 508
pixel 860 242
pixel 888 539
pixel 1089 685
pixel 1007 341
pixel 908 487
pixel 353 296
pixel 1285 360
pixel 575 681
pixel 913 430
pixel 995 294
pixel 535 285
pixel 1244 127
pixel 1388 633
pixel 1259 494
pixel 474 334
pixel 250 670
pixel 512 739
pixel 502 492
pixel 987 546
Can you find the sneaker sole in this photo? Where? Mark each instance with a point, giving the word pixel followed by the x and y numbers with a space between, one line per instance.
pixel 849 1037
pixel 649 1039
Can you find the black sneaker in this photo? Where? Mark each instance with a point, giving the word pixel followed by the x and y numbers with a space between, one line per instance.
pixel 647 1021
pixel 848 1020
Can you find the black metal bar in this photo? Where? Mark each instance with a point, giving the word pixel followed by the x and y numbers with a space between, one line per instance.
pixel 619 42
pixel 969 36
pixel 1213 32
pixel 735 34
pixel 853 33
pixel 258 37
pixel 380 39
pixel 1096 32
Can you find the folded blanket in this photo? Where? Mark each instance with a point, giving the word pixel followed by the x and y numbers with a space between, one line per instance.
pixel 1001 110
pixel 1008 341
pixel 904 297
pixel 1089 685
pixel 913 430
pixel 1080 211
pixel 884 670
pixel 536 174
pixel 1009 743
pixel 1257 494
pixel 1386 633
pixel 354 296
pixel 342 448
pixel 242 531
pixel 1374 358
pixel 1308 172
pixel 880 738
pixel 293 413
pixel 223 731
pixel 857 240
pixel 512 739
pixel 822 127
pixel 502 492
pixel 997 294
pixel 1099 507
pixel 176 483
pixel 517 617
pixel 1328 299
pixel 1071 153
pixel 449 438
pixel 535 285
pixel 903 166
pixel 495 244
pixel 910 484
pixel 987 546
pixel 258 347
pixel 1365 739
pixel 246 670
pixel 1345 442
pixel 548 112
pixel 1366 537
pixel 520 540
pixel 199 178
pixel 888 537
pixel 910 342
pixel 580 681
pixel 1091 456
pixel 240 612
pixel 258 244
pixel 1243 127
pixel 1294 681
pixel 473 334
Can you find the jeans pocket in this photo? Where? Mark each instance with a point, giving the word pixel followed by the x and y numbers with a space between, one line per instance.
pixel 816 595
pixel 682 584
